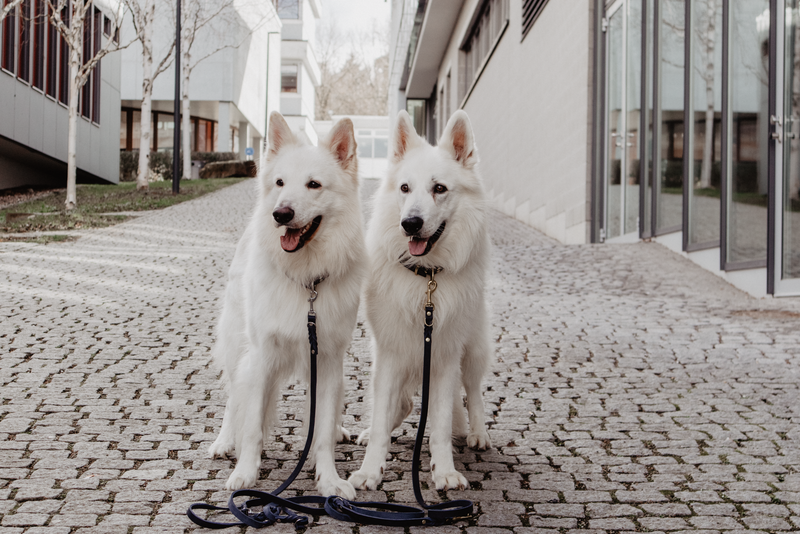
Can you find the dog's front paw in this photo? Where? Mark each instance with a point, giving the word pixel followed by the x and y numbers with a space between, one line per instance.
pixel 220 449
pixel 342 434
pixel 449 480
pixel 241 478
pixel 363 438
pixel 479 440
pixel 366 480
pixel 336 486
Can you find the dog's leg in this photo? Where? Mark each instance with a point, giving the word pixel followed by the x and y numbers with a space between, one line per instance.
pixel 460 428
pixel 226 441
pixel 327 429
pixel 473 368
pixel 444 381
pixel 384 400
pixel 253 400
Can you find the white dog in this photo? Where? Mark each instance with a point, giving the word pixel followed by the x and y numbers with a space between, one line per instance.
pixel 429 213
pixel 307 225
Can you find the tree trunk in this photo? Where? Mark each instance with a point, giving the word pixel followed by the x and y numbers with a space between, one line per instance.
pixel 72 142
pixel 186 126
pixel 145 143
pixel 708 142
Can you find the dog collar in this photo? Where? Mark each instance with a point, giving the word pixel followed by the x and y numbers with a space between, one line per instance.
pixel 312 285
pixel 425 272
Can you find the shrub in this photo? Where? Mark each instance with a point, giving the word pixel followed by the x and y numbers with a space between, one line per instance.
pixel 161 163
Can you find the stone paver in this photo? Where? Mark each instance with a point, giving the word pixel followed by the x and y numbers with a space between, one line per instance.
pixel 631 390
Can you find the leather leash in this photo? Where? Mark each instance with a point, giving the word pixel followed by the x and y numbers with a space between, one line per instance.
pixel 276 509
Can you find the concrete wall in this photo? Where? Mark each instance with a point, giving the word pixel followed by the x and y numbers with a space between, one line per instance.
pixel 34 128
pixel 529 109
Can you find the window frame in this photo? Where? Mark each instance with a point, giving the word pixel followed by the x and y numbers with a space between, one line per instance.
pixel 297 78
pixel 479 37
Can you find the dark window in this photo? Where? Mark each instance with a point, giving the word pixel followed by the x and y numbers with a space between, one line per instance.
pixel 289 79
pixel 9 39
pixel 106 26
pixel 86 90
pixel 531 9
pixel 39 30
pixel 63 90
pixel 486 29
pixel 288 9
pixel 52 57
pixel 24 60
pixel 96 79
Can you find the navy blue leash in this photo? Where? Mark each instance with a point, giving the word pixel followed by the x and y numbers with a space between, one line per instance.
pixel 276 509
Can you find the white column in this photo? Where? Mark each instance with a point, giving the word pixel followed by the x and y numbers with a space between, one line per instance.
pixel 244 138
pixel 224 127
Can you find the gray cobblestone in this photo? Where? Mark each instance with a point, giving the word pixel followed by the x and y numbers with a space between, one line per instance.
pixel 631 390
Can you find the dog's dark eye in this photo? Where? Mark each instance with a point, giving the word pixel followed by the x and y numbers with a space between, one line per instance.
pixel 279 182
pixel 439 189
pixel 404 188
pixel 313 185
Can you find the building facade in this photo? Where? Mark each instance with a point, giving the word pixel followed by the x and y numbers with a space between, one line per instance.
pixel 372 138
pixel 232 90
pixel 300 73
pixel 34 91
pixel 625 120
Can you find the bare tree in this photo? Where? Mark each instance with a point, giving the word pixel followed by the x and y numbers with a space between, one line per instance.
pixel 706 38
pixel 8 8
pixel 221 24
pixel 143 15
pixel 70 18
pixel 356 86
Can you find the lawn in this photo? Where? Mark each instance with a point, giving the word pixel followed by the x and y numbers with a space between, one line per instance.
pixel 97 205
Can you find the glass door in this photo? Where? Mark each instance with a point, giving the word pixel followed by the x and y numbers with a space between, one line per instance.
pixel 623 114
pixel 786 124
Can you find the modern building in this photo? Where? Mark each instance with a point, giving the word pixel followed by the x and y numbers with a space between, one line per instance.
pixel 625 120
pixel 232 90
pixel 34 90
pixel 300 73
pixel 372 138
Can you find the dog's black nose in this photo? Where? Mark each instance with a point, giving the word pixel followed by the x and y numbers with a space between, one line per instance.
pixel 412 225
pixel 283 215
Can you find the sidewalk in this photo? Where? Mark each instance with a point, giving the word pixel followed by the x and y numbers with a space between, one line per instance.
pixel 632 391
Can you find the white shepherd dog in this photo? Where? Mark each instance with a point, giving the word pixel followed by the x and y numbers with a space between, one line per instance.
pixel 307 225
pixel 429 213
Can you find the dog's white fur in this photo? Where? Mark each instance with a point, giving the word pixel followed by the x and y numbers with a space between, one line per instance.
pixel 394 298
pixel 262 338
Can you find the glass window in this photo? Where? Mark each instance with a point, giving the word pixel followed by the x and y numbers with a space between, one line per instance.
pixel 136 130
pixel 381 147
pixel 289 79
pixel 364 147
pixel 633 104
pixel 669 200
pixel 706 125
pixel 123 130
pixel 24 60
pixel 416 109
pixel 484 33
pixel 790 265
pixel 748 131
pixel 288 9
pixel 164 131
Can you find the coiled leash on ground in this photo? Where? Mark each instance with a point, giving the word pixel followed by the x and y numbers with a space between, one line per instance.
pixel 276 509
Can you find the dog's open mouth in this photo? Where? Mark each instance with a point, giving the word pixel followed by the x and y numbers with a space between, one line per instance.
pixel 419 246
pixel 294 238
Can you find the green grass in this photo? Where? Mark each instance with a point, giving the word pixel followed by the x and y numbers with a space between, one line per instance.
pixel 96 201
pixel 41 239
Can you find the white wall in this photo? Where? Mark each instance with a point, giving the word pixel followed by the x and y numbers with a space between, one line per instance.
pixel 529 110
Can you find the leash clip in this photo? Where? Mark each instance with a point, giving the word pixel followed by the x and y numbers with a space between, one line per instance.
pixel 430 290
pixel 312 297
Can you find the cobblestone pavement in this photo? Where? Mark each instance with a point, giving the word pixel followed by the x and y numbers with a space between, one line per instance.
pixel 632 391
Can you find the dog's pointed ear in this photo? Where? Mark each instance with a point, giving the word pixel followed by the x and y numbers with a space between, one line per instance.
pixel 342 144
pixel 405 137
pixel 458 140
pixel 279 134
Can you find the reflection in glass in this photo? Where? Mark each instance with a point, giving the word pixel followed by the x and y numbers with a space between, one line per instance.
pixel 647 141
pixel 614 136
pixel 749 122
pixel 705 157
pixel 672 25
pixel 633 99
pixel 164 131
pixel 791 166
pixel 137 129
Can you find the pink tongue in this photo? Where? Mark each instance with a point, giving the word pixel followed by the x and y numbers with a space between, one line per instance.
pixel 291 239
pixel 417 246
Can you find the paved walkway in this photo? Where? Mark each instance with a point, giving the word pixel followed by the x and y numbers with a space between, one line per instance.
pixel 632 391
